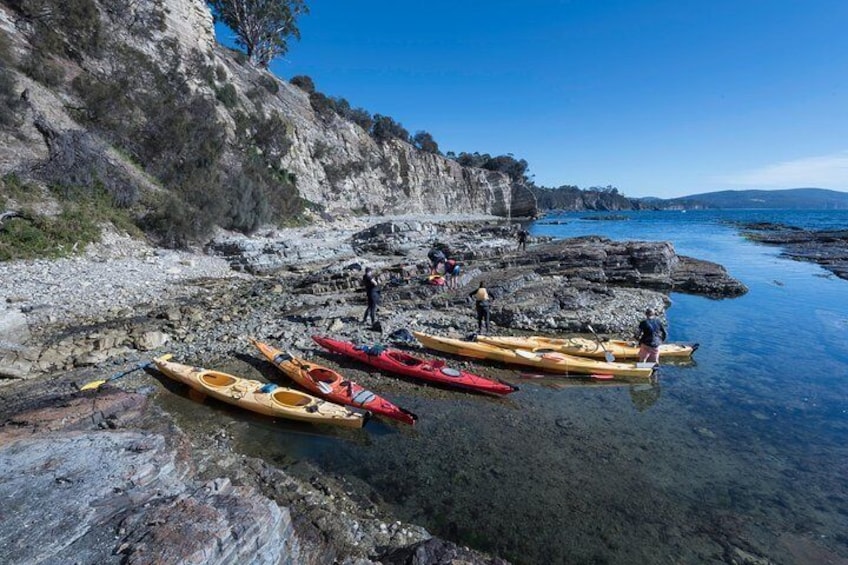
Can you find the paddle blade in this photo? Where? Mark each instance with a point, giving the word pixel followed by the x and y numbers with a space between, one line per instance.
pixel 609 357
pixel 98 383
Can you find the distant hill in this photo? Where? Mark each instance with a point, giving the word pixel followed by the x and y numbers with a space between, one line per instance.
pixel 793 198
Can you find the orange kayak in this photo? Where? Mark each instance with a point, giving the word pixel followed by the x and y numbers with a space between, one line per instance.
pixel 331 385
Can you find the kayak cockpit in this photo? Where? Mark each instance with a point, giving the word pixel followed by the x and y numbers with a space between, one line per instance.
pixel 405 359
pixel 320 375
pixel 217 380
pixel 290 398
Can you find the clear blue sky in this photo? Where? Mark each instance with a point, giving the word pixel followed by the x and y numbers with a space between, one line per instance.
pixel 657 97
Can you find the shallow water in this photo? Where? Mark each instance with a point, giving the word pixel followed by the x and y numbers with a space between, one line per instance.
pixel 743 450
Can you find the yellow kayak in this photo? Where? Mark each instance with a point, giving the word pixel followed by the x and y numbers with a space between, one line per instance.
pixel 585 347
pixel 264 398
pixel 554 362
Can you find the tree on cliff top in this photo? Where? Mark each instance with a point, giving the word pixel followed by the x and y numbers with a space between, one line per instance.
pixel 262 27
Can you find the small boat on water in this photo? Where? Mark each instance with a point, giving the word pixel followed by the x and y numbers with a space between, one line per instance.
pixel 263 398
pixel 584 347
pixel 329 384
pixel 554 362
pixel 401 363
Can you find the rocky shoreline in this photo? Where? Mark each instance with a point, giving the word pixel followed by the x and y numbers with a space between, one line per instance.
pixel 127 485
pixel 828 248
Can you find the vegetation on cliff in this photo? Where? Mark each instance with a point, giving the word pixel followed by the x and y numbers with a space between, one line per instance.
pixel 262 26
pixel 167 137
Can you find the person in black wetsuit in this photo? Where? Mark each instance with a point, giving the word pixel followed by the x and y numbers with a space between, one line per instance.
pixel 372 295
pixel 651 335
pixel 522 239
pixel 483 305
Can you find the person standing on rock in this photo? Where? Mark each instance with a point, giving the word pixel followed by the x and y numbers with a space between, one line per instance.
pixel 483 306
pixel 522 239
pixel 651 335
pixel 452 273
pixel 372 295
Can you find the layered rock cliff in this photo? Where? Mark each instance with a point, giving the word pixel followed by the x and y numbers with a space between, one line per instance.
pixel 335 165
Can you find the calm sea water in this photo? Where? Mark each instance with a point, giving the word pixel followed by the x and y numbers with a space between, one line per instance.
pixel 743 452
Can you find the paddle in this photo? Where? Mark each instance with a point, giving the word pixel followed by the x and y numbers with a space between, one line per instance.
pixel 98 384
pixel 322 386
pixel 607 354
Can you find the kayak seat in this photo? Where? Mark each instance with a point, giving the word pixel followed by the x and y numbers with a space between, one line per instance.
pixel 323 375
pixel 291 398
pixel 403 358
pixel 217 379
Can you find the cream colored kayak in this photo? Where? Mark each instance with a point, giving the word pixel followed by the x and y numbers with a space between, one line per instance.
pixel 554 362
pixel 585 347
pixel 264 398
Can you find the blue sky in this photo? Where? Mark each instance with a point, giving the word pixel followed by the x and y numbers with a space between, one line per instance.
pixel 658 97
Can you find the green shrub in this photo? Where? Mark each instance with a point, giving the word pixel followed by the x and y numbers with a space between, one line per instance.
pixel 11 186
pixel 43 69
pixel 176 223
pixel 63 27
pixel 10 100
pixel 320 150
pixel 78 159
pixel 386 128
pixel 269 83
pixel 227 95
pixel 304 83
pixel 261 194
pixel 322 104
pixel 100 205
pixel 271 136
pixel 142 19
pixel 336 173
pixel 41 236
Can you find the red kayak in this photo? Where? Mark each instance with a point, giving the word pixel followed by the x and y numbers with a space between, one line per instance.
pixel 395 361
pixel 329 384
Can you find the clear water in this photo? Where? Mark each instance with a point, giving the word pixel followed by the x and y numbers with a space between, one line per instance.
pixel 743 451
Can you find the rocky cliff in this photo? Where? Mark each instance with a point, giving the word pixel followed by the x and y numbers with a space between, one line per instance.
pixel 333 163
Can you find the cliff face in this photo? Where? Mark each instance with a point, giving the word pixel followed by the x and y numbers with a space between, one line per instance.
pixel 340 166
pixel 334 163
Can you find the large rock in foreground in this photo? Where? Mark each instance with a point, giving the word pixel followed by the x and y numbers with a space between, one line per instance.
pixel 102 477
pixel 123 496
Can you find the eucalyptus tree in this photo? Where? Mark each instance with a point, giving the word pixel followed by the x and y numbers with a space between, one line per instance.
pixel 262 27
